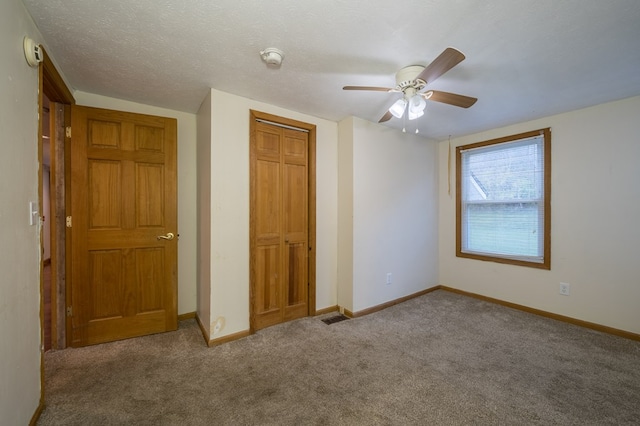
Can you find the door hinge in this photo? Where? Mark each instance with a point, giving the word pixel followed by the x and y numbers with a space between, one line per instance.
pixel 67 131
pixel 69 222
pixel 69 311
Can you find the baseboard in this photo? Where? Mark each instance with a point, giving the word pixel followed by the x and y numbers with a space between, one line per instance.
pixel 388 304
pixel 37 413
pixel 220 340
pixel 327 310
pixel 187 316
pixel 229 338
pixel 574 321
pixel 203 330
pixel 586 324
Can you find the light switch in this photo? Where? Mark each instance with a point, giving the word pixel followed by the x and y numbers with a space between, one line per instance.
pixel 33 212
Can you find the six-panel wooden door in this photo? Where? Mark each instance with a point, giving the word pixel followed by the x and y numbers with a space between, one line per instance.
pixel 280 225
pixel 124 225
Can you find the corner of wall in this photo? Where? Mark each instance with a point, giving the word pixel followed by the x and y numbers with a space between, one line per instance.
pixel 345 213
pixel 203 217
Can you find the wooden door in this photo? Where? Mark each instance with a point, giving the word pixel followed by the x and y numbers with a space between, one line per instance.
pixel 124 212
pixel 280 225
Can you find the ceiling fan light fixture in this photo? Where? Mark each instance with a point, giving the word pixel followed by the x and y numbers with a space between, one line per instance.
pixel 398 107
pixel 417 105
pixel 411 82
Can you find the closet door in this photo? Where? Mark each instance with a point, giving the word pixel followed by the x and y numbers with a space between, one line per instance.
pixel 280 225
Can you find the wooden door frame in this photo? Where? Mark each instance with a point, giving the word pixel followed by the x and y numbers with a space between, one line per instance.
pixel 311 182
pixel 51 84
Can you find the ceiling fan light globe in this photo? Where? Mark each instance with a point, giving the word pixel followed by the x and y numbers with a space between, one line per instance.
pixel 415 114
pixel 397 109
pixel 417 103
pixel 416 107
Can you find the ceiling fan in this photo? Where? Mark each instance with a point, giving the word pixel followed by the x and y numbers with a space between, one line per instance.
pixel 411 82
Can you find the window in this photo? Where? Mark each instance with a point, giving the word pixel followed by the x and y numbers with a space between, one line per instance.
pixel 503 200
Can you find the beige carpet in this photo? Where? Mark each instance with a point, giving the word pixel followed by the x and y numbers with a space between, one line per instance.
pixel 440 359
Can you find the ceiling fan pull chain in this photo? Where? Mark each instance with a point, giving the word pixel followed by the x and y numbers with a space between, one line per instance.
pixel 404 122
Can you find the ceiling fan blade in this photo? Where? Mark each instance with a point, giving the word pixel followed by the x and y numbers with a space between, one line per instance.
pixel 386 117
pixel 450 98
pixel 373 88
pixel 443 63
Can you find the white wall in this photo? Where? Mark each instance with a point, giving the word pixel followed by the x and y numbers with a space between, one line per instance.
pixel 20 259
pixel 230 209
pixel 186 187
pixel 395 213
pixel 595 206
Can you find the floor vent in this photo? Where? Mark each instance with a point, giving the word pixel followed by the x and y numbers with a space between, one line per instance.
pixel 335 319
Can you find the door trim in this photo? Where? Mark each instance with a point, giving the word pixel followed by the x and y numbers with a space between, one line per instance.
pixel 311 129
pixel 51 84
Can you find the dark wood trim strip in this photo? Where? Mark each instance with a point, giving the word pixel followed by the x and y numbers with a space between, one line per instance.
pixel 41 75
pixel 37 414
pixel 327 310
pixel 311 231
pixel 574 321
pixel 388 304
pixel 187 316
pixel 54 86
pixel 229 338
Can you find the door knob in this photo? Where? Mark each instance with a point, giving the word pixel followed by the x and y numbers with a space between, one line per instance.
pixel 169 236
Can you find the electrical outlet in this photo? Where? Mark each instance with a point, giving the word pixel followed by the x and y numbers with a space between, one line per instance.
pixel 388 278
pixel 565 289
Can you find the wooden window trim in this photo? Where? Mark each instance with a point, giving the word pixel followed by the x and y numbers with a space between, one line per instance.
pixel 546 263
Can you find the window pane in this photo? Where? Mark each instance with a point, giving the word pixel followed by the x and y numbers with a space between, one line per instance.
pixel 510 171
pixel 503 229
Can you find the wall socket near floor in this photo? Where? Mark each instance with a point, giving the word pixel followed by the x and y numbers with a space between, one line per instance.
pixel 565 289
pixel 388 278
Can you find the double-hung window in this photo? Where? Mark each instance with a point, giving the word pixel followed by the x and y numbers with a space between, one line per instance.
pixel 503 199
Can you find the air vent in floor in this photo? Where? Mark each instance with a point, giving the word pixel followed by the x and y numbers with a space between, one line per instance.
pixel 335 319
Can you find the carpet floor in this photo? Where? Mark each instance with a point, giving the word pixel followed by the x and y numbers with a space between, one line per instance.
pixel 439 359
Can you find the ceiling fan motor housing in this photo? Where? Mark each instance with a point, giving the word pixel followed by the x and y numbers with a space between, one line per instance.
pixel 406 78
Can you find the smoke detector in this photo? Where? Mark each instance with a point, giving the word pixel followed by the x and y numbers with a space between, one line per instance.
pixel 272 56
pixel 32 52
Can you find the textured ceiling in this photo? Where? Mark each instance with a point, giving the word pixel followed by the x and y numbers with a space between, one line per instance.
pixel 525 59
